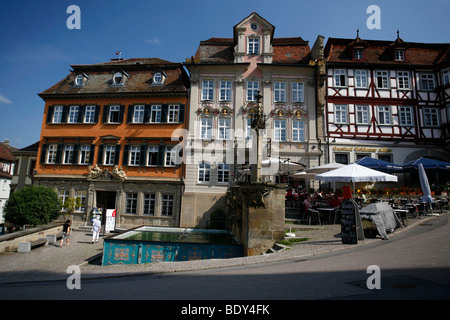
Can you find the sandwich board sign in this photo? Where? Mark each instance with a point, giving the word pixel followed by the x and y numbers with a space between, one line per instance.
pixel 110 223
pixel 351 226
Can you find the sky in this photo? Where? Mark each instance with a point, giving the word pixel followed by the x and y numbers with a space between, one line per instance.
pixel 37 48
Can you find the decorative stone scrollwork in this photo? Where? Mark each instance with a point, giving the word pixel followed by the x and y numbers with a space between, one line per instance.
pixel 118 173
pixel 94 172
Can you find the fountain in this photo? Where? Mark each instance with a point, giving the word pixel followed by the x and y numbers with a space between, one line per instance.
pixel 147 244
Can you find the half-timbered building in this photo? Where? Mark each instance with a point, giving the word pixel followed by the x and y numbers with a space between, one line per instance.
pixel 387 99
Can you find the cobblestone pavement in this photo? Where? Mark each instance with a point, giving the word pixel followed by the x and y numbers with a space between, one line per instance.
pixel 51 262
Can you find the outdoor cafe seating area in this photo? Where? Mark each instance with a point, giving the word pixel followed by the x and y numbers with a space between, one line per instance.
pixel 323 206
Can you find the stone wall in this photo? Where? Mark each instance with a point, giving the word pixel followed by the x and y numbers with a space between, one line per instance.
pixel 10 242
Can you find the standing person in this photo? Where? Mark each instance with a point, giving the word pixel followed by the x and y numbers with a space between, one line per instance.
pixel 66 233
pixel 96 229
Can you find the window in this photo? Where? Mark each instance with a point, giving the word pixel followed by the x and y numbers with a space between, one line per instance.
pixel 298 131
pixel 138 114
pixel 298 92
pixel 81 194
pixel 63 196
pixel 117 78
pixel 79 80
pixel 170 157
pixel 224 128
pixel 340 114
pixel 362 114
pixel 405 115
pixel 208 90
pixel 205 128
pixel 167 205
pixel 361 78
pixel 252 90
pixel 152 157
pixel 400 55
pixel 339 78
pixel 384 115
pixel 357 54
pixel 73 114
pixel 57 114
pixel 403 80
pixel 431 117
pixel 110 155
pixel 149 204
pixel 279 130
pixel 156 114
pixel 89 114
pixel 223 172
pixel 134 155
pixel 85 154
pixel 253 45
pixel 341 158
pixel 174 114
pixel 427 81
pixel 385 157
pixel 445 77
pixel 51 154
pixel 225 90
pixel 157 78
pixel 68 154
pixel 114 114
pixel 131 203
pixel 382 79
pixel 204 171
pixel 280 91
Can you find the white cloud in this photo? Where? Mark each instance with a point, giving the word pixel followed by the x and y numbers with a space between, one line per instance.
pixel 3 99
pixel 153 41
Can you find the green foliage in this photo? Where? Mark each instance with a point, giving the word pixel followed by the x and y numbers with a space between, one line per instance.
pixel 33 205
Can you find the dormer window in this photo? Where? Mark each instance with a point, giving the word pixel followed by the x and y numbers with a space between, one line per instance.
pixel 117 78
pixel 157 78
pixel 358 54
pixel 399 55
pixel 79 80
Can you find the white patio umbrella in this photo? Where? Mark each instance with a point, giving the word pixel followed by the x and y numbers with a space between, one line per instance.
pixel 425 185
pixel 325 167
pixel 355 173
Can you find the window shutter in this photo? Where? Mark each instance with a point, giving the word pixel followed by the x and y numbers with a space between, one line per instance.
pixel 164 109
pixel 105 114
pixel 59 151
pixel 143 156
pixel 91 153
pixel 50 111
pixel 161 155
pixel 121 113
pixel 181 117
pixel 147 112
pixel 81 112
pixel 97 111
pixel 76 147
pixel 130 114
pixel 65 113
pixel 126 150
pixel 43 153
pixel 117 155
pixel 100 154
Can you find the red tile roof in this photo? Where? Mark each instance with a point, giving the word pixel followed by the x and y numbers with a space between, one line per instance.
pixel 382 52
pixel 286 51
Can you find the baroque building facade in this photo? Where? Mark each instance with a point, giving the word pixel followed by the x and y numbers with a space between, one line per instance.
pixel 106 139
pixel 226 76
pixel 387 99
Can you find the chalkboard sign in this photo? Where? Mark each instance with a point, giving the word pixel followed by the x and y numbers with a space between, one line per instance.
pixel 351 226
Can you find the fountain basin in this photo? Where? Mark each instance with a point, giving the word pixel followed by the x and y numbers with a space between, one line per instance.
pixel 147 244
